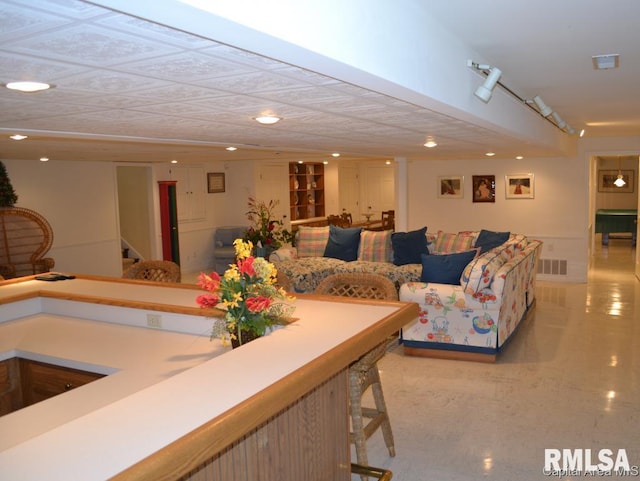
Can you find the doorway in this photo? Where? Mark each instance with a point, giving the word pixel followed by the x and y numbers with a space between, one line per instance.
pixel 135 211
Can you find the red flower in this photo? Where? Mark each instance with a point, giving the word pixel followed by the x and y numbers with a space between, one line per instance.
pixel 245 266
pixel 209 282
pixel 207 300
pixel 258 304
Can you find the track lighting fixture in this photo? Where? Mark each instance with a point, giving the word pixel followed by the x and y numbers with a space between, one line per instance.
pixel 543 108
pixel 485 91
pixel 559 122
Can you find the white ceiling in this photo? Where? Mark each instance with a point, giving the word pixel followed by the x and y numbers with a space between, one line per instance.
pixel 130 90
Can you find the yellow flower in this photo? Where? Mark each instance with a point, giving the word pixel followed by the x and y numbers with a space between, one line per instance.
pixel 232 274
pixel 243 249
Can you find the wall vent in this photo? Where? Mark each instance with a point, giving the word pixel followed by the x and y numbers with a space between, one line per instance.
pixel 552 267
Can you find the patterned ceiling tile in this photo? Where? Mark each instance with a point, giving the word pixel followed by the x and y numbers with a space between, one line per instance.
pixel 97 46
pixel 154 32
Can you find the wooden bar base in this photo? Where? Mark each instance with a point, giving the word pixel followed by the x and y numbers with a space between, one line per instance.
pixel 454 355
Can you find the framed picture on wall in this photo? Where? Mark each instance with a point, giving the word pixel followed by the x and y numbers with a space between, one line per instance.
pixel 451 187
pixel 519 186
pixel 484 188
pixel 607 178
pixel 215 182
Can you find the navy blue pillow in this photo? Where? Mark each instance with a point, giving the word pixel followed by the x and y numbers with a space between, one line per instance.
pixel 343 243
pixel 409 246
pixel 445 268
pixel 487 240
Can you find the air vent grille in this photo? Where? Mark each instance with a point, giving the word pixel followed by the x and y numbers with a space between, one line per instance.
pixel 552 267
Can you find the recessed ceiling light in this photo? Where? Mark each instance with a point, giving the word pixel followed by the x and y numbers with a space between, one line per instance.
pixel 300 162
pixel 268 119
pixel 519 157
pixel 490 154
pixel 430 143
pixel 28 86
pixel 325 162
pixel 44 159
pixel 174 161
pixel 335 154
pixel 231 148
pixel 387 162
pixel 605 62
pixel 17 137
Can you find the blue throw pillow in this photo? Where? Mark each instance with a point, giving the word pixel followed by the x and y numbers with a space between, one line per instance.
pixel 487 240
pixel 445 268
pixel 409 246
pixel 343 243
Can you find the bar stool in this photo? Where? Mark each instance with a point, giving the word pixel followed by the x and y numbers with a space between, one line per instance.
pixel 364 373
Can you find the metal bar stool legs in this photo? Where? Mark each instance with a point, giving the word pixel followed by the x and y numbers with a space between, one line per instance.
pixel 376 473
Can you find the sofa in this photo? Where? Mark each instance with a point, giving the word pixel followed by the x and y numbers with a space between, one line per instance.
pixel 475 319
pixel 303 267
pixel 473 288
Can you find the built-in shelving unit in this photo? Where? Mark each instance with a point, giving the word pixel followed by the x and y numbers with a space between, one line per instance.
pixel 306 190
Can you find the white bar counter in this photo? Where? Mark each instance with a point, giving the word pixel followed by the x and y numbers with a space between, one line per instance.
pixel 172 398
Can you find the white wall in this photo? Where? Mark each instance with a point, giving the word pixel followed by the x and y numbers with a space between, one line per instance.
pixel 79 199
pixel 556 215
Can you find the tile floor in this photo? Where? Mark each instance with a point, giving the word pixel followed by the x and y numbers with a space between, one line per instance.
pixel 569 379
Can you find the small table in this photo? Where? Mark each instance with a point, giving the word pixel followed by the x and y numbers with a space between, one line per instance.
pixel 609 221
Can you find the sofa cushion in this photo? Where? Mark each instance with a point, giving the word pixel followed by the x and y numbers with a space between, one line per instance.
pixel 409 246
pixel 343 243
pixel 396 274
pixel 479 272
pixel 487 240
pixel 445 268
pixel 375 246
pixel 311 241
pixel 305 274
pixel 447 242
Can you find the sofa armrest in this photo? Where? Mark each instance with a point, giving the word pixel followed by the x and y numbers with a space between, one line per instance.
pixel 283 254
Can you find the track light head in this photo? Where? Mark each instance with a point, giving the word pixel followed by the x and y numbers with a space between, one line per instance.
pixel 558 120
pixel 485 90
pixel 544 109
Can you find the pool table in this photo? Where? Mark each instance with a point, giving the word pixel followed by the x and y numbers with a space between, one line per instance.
pixel 616 220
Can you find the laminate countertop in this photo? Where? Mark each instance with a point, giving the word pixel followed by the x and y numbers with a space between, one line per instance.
pixel 161 384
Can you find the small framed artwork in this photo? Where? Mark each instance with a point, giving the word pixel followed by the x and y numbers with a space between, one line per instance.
pixel 215 182
pixel 484 188
pixel 607 179
pixel 451 187
pixel 519 186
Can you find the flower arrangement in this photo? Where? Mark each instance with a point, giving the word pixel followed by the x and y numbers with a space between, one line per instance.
pixel 248 294
pixel 265 231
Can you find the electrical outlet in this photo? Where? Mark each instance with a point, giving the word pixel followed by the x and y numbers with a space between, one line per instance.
pixel 154 320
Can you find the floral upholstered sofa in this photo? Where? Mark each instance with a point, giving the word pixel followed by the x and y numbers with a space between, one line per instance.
pixel 473 288
pixel 302 268
pixel 475 318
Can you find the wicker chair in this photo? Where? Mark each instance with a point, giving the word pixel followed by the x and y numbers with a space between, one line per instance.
pixel 364 372
pixel 25 238
pixel 155 271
